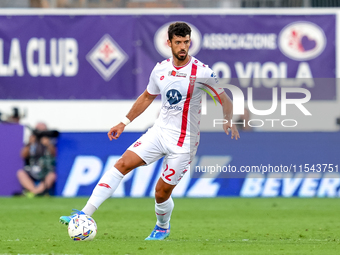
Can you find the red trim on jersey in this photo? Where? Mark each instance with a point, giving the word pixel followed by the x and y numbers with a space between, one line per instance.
pixel 186 105
pixel 179 67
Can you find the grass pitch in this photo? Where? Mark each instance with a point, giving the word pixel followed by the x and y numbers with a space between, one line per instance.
pixel 198 226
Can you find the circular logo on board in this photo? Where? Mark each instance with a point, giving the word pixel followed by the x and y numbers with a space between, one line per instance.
pixel 302 40
pixel 161 37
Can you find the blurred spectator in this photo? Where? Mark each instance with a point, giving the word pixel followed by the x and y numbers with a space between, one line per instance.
pixel 62 3
pixel 292 3
pixel 39 3
pixel 14 3
pixel 323 3
pixel 338 121
pixel 15 117
pixel 242 121
pixel 38 175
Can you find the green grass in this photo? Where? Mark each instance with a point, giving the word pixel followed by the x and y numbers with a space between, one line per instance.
pixel 198 226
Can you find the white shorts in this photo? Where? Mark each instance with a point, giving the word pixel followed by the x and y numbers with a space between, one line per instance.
pixel 151 147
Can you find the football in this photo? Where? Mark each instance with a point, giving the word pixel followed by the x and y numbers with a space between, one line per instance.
pixel 82 228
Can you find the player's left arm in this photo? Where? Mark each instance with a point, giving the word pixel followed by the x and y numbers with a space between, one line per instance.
pixel 227 106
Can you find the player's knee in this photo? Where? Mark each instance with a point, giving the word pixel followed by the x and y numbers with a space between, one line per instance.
pixel 20 173
pixel 161 195
pixel 122 165
pixel 51 176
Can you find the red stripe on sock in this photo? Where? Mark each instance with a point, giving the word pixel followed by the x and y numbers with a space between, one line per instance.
pixel 161 214
pixel 105 185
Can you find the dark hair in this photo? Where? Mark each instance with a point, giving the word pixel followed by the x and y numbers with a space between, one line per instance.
pixel 179 29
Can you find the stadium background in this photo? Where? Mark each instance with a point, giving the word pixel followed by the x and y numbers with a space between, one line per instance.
pixel 89 91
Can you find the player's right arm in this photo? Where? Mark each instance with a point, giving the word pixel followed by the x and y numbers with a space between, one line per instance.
pixel 142 102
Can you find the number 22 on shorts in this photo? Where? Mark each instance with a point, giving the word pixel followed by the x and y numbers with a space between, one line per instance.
pixel 167 177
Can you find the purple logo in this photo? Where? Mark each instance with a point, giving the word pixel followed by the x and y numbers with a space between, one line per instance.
pixel 107 57
pixel 302 40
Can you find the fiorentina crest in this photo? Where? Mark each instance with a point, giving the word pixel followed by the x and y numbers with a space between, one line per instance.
pixel 107 57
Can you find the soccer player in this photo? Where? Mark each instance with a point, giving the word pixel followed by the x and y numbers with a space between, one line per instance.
pixel 175 134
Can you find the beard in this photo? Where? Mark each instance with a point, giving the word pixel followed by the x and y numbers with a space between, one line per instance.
pixel 180 57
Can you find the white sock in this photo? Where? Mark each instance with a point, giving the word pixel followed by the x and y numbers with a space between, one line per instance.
pixel 89 209
pixel 105 188
pixel 163 213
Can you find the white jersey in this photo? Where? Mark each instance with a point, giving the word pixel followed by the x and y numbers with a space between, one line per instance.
pixel 180 114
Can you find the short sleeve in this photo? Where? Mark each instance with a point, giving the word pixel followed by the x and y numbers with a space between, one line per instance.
pixel 152 87
pixel 212 80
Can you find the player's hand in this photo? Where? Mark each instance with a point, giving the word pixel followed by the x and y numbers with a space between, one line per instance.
pixel 234 132
pixel 115 131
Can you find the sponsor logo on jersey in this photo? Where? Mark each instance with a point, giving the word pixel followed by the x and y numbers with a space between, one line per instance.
pixel 107 57
pixel 176 108
pixel 213 75
pixel 302 40
pixel 161 37
pixel 177 74
pixel 173 96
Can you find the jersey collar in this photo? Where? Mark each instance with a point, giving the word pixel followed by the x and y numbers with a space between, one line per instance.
pixel 179 67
